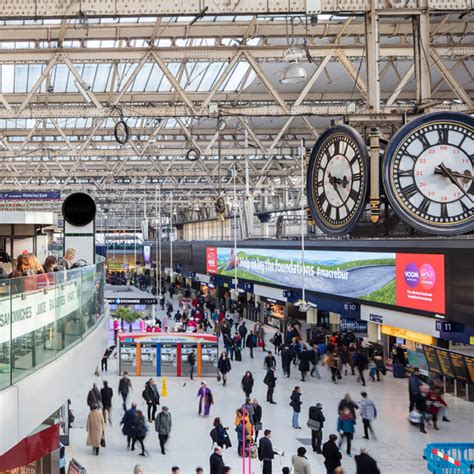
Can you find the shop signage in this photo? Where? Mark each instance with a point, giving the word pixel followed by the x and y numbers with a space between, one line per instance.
pixel 409 280
pixel 132 300
pixel 406 334
pixel 376 318
pixel 32 311
pixel 168 338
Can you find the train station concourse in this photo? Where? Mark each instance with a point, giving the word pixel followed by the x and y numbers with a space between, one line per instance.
pixel 236 237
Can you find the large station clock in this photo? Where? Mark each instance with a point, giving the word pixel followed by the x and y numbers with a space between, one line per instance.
pixel 428 173
pixel 337 180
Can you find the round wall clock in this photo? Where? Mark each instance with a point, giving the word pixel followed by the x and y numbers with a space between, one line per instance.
pixel 337 180
pixel 428 173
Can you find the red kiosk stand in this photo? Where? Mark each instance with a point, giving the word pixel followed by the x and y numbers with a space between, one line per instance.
pixel 167 353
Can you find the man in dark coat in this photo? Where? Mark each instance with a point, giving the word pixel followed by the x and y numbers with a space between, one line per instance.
pixel 414 383
pixel 93 397
pixel 216 462
pixel 128 422
pixel 365 463
pixel 270 382
pixel 286 360
pixel 266 452
pixel 316 414
pixel 331 453
pixel 124 388
pixel 152 398
pixel 305 357
pixel 106 394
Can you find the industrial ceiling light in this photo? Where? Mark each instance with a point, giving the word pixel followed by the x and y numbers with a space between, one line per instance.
pixel 294 73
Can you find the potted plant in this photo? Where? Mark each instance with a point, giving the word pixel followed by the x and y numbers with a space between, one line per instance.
pixel 127 315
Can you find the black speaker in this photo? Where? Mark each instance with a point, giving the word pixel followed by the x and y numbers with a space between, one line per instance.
pixel 79 209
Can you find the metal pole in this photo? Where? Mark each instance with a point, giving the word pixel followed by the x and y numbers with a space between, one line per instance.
pixel 171 237
pixel 135 239
pixel 159 241
pixel 157 281
pixel 235 229
pixel 302 151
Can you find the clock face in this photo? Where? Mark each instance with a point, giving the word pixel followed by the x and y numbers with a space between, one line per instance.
pixel 428 171
pixel 337 180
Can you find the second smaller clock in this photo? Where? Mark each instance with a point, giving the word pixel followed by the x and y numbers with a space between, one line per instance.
pixel 337 180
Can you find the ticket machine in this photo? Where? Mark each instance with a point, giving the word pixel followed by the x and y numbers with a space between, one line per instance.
pixel 148 358
pixel 169 359
pixel 209 356
pixel 128 357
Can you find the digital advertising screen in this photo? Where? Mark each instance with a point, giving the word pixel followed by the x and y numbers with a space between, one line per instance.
pixel 432 359
pixel 413 281
pixel 147 254
pixel 459 367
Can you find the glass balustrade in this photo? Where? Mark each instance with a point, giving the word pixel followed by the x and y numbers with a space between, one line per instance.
pixel 42 316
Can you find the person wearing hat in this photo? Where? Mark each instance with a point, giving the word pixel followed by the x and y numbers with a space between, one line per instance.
pixel 315 423
pixel 300 462
pixel 163 427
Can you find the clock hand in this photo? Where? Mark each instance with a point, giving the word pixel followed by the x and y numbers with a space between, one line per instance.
pixel 445 171
pixel 334 185
pixel 466 175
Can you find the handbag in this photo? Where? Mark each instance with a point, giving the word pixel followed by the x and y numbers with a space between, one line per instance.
pixel 258 426
pixel 102 442
pixel 313 424
pixel 218 376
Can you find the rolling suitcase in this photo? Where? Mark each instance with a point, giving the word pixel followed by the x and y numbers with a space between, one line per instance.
pixel 238 355
pixel 398 371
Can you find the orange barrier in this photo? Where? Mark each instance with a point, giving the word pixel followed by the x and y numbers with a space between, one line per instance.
pixel 139 359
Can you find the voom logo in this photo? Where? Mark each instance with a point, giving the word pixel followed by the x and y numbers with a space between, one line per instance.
pixel 412 275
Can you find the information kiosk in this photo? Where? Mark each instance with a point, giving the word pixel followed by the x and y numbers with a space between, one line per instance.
pixel 150 354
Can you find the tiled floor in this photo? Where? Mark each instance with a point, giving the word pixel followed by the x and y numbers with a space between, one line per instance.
pixel 399 447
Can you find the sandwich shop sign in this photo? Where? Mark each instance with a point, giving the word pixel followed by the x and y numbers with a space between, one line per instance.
pixel 38 309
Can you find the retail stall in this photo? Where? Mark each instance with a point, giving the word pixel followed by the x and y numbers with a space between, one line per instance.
pixel 167 353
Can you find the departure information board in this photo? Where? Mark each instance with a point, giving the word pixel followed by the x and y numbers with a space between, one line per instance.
pixel 445 362
pixel 470 366
pixel 459 367
pixel 432 359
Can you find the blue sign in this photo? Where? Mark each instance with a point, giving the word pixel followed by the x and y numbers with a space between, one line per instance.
pixel 31 196
pixel 376 318
pixel 353 325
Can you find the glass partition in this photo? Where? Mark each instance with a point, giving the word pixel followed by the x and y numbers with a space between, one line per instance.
pixel 41 316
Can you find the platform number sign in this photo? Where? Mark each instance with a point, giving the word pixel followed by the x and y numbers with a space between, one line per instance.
pixel 337 180
pixel 428 173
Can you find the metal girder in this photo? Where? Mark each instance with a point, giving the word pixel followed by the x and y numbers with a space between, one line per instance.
pixel 122 8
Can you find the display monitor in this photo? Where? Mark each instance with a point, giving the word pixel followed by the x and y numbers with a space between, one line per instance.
pixel 469 360
pixel 459 367
pixel 432 359
pixel 445 362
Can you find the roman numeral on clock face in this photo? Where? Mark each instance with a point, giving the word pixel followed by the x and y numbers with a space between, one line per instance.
pixel 424 141
pixel 406 173
pixel 410 190
pixel 443 135
pixel 424 205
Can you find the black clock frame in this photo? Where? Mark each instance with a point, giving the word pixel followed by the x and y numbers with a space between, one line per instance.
pixel 311 177
pixel 398 139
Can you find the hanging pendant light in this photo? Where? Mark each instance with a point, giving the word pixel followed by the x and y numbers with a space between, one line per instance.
pixel 294 73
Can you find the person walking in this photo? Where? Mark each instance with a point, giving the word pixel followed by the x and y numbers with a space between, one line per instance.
pixel 269 362
pixel 368 413
pixel 94 398
pixel 257 418
pixel 286 360
pixel 277 341
pixel 435 402
pixel 216 462
pixel 192 364
pixel 295 403
pixel 266 452
pixel 303 367
pixel 332 455
pixel 345 426
pixel 300 462
pixel 414 383
pixel 316 421
pixel 205 399
pixel 270 382
pixel 243 428
pixel 243 331
pixel 125 385
pixel 314 360
pixel 152 398
pixel 139 432
pixel 347 402
pixel 365 464
pixel 224 367
pixel 105 358
pixel 106 394
pixel 251 342
pixel 218 433
pixel 247 383
pixel 95 429
pixel 420 405
pixel 128 421
pixel 361 364
pixel 163 427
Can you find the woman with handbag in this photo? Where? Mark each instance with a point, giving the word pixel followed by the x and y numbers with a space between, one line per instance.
pixel 247 383
pixel 140 429
pixel 95 430
pixel 224 367
pixel 315 423
pixel 257 417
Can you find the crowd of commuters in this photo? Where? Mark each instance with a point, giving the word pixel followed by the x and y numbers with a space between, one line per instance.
pixel 340 355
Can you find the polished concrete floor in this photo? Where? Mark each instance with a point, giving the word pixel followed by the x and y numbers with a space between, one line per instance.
pixel 399 446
